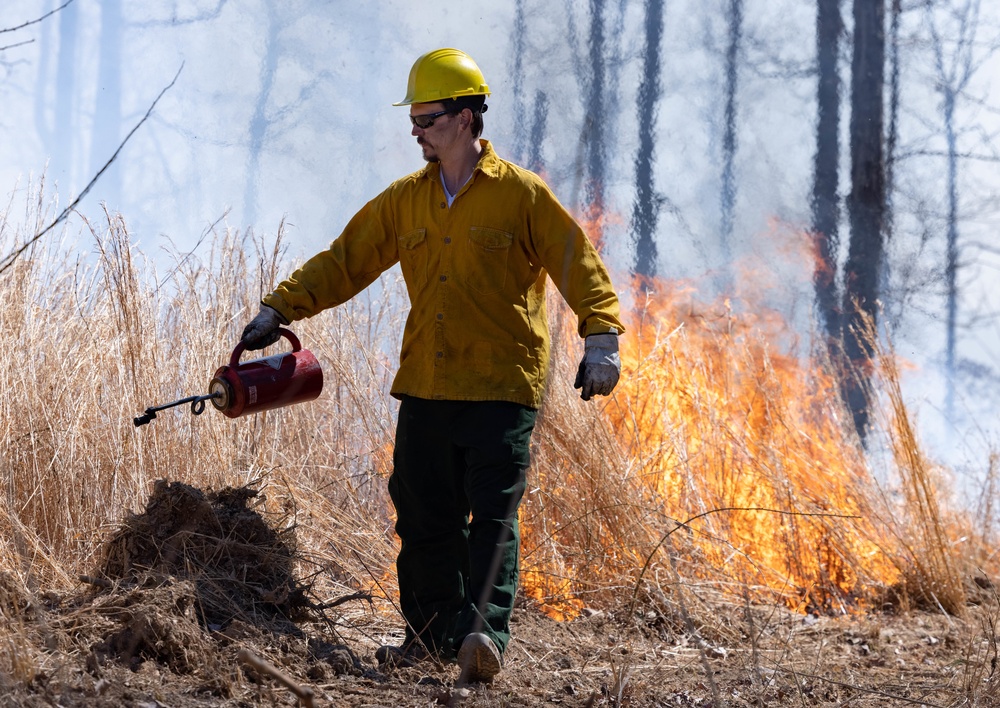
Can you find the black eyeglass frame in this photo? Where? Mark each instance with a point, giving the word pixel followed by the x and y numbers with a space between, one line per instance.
pixel 426 120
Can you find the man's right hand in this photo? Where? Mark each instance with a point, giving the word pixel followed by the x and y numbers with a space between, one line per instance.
pixel 263 329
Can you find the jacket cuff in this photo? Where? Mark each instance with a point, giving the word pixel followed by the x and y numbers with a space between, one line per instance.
pixel 276 303
pixel 598 327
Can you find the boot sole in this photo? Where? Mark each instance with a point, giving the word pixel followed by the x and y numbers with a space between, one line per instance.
pixel 479 661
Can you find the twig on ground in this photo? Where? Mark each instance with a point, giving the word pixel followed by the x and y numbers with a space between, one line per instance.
pixel 303 693
pixel 341 600
pixel 98 582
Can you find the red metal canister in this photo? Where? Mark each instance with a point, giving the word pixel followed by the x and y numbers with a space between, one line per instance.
pixel 266 383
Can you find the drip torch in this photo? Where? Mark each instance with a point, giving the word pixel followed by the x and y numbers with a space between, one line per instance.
pixel 257 385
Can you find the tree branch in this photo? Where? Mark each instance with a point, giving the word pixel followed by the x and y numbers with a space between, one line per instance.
pixel 16 45
pixel 9 259
pixel 942 153
pixel 35 22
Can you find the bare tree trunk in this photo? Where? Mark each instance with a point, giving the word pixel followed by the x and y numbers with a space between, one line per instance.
pixel 951 251
pixel 107 114
pixel 826 165
pixel 866 203
pixel 735 18
pixel 955 65
pixel 44 128
pixel 259 122
pixel 65 126
pixel 646 209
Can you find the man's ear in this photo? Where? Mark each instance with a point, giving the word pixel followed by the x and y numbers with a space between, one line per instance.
pixel 466 118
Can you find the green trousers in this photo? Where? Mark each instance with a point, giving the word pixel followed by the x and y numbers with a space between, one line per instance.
pixel 458 477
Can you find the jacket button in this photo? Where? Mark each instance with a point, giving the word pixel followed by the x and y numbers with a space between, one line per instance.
pixel 440 316
pixel 444 278
pixel 440 355
pixel 443 205
pixel 447 239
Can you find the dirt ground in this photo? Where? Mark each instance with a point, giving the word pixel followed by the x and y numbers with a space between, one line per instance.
pixel 165 624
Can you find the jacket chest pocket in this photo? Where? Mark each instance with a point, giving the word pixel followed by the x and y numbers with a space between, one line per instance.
pixel 413 257
pixel 487 255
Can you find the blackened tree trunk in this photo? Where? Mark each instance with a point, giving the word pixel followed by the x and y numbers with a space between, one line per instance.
pixel 596 144
pixel 892 135
pixel 826 164
pixel 866 204
pixel 540 114
pixel 735 19
pixel 645 211
pixel 517 78
pixel 891 310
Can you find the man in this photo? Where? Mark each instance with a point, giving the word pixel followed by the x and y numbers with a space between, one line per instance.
pixel 475 236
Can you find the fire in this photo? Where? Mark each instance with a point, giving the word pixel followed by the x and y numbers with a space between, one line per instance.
pixel 723 454
pixel 752 430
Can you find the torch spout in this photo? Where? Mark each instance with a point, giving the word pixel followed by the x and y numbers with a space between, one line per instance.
pixel 197 406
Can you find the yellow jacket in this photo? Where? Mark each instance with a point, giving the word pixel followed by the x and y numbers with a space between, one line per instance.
pixel 475 273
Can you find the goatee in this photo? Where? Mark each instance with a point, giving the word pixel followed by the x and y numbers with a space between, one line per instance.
pixel 429 158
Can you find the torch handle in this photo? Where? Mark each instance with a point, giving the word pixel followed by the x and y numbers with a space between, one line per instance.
pixel 234 359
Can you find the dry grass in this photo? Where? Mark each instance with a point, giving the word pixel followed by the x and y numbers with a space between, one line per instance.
pixel 92 339
pixel 931 570
pixel 721 474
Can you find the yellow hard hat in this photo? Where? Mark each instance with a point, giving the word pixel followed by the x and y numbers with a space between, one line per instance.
pixel 443 74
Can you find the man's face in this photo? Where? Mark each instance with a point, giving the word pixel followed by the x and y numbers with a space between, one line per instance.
pixel 439 134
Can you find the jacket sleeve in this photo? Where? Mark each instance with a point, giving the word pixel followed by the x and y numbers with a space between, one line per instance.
pixel 573 263
pixel 366 248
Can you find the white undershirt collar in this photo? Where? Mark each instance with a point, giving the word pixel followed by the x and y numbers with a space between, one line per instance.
pixel 448 195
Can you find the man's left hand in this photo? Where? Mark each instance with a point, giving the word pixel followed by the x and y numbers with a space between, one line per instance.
pixel 263 329
pixel 601 366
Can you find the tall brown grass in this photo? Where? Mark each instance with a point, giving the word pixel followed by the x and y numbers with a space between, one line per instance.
pixel 931 569
pixel 95 334
pixel 720 464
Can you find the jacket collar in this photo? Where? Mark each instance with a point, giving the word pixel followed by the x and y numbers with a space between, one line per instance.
pixel 489 163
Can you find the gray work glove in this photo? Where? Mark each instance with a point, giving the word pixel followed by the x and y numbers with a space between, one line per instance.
pixel 601 366
pixel 263 329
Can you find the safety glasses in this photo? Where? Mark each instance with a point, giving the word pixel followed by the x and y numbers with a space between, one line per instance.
pixel 426 120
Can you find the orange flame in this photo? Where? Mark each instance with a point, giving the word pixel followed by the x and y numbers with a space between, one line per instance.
pixel 717 422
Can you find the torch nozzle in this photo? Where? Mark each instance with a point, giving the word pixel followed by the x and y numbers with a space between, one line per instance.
pixel 197 406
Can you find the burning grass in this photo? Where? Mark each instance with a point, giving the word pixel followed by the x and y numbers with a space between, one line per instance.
pixel 727 461
pixel 722 452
